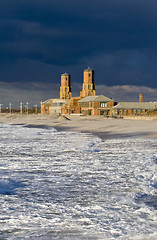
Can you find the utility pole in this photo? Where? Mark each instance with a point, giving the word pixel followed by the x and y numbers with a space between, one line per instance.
pixel 10 104
pixel 21 107
pixel 57 109
pixel 36 108
pixel 27 107
pixel 1 108
pixel 41 105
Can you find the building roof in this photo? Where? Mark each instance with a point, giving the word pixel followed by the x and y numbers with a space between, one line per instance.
pixel 88 69
pixel 136 105
pixel 59 100
pixel 46 102
pixel 65 74
pixel 97 98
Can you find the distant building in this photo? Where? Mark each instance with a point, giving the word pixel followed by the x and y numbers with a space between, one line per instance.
pixel 57 105
pixel 90 104
pixel 96 105
pixel 133 108
pixel 45 105
pixel 87 103
pixel 88 89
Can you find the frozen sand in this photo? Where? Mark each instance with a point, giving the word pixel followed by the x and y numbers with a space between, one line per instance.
pixel 97 125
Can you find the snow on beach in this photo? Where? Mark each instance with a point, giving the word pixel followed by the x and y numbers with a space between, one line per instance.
pixel 69 185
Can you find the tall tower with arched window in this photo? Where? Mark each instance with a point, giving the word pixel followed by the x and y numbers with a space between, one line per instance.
pixel 65 88
pixel 88 87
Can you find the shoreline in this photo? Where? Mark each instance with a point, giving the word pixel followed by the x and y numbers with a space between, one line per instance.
pixel 99 126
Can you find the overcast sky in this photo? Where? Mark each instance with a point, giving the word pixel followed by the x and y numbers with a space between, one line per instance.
pixel 41 39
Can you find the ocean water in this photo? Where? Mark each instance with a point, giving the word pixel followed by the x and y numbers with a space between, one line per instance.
pixel 75 186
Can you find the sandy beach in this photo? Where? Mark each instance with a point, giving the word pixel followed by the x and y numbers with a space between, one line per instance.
pixel 100 126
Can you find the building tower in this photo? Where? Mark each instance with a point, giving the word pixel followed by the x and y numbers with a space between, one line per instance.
pixel 65 88
pixel 88 88
pixel 140 97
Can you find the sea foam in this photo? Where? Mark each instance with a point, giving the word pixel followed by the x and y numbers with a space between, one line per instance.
pixel 67 185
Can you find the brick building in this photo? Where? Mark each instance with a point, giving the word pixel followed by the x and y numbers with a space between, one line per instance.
pixel 86 103
pixel 45 105
pixel 133 108
pixel 96 105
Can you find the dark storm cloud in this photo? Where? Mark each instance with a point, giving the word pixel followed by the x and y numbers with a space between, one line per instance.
pixel 62 32
pixel 118 35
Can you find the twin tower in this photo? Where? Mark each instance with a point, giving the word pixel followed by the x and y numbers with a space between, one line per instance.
pixel 88 88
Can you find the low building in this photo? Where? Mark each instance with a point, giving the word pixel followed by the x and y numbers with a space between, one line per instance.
pixel 54 106
pixel 96 105
pixel 45 105
pixel 133 108
pixel 57 105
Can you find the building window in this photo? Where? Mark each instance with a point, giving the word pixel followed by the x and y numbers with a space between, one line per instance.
pixel 102 104
pixel 89 75
pixel 134 111
pixel 84 104
pixel 89 87
pixel 90 104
